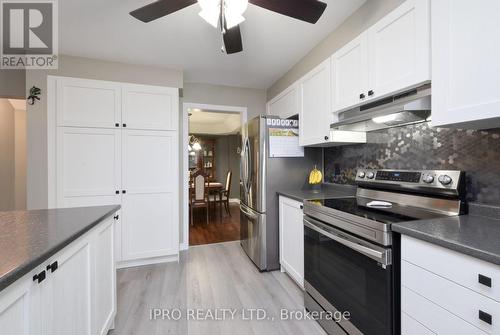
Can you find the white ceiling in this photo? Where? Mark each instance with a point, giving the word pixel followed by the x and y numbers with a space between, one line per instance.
pixel 272 43
pixel 213 122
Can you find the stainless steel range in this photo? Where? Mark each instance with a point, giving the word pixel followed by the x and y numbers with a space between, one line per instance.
pixel 349 260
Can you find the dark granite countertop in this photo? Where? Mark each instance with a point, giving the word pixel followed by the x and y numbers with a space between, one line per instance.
pixel 327 191
pixel 476 234
pixel 28 238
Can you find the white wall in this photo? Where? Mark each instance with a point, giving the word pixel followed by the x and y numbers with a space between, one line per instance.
pixel 20 159
pixel 70 66
pixel 360 20
pixel 12 84
pixel 7 164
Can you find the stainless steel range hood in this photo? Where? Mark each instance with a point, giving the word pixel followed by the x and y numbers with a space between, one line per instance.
pixel 406 108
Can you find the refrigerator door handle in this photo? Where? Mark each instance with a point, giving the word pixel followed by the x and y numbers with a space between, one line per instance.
pixel 247 212
pixel 249 165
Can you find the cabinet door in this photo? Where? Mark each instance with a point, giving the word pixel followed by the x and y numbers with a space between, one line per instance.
pixel 285 104
pixel 150 107
pixel 20 308
pixel 150 218
pixel 315 112
pixel 399 49
pixel 465 63
pixel 350 74
pixel 104 279
pixel 88 103
pixel 68 290
pixel 292 238
pixel 88 166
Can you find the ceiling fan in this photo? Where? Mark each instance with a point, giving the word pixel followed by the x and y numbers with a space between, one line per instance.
pixel 228 14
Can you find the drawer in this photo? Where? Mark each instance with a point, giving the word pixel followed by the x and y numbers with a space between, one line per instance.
pixel 459 268
pixel 410 326
pixel 431 316
pixel 461 301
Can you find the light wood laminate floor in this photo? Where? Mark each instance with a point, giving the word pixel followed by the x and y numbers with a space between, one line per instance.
pixel 208 277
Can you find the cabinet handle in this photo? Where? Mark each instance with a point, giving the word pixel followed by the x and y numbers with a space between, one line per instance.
pixel 117 125
pixel 370 92
pixel 486 281
pixel 124 125
pixel 117 192
pixel 301 206
pixel 362 96
pixel 39 277
pixel 116 217
pixel 124 191
pixel 326 138
pixel 486 317
pixel 53 267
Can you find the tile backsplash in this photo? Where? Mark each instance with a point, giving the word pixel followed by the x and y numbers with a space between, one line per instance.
pixel 422 147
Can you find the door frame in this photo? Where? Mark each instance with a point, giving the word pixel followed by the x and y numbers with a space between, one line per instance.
pixel 186 106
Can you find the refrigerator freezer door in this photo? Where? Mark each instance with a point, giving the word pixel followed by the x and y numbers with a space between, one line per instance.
pixel 253 235
pixel 253 164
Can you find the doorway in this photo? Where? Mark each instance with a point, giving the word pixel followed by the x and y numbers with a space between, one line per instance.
pixel 211 151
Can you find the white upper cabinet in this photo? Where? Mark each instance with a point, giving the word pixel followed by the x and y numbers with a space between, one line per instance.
pixel 399 49
pixel 465 63
pixel 150 107
pixel 88 103
pixel 315 106
pixel 285 104
pixel 350 73
pixel 391 56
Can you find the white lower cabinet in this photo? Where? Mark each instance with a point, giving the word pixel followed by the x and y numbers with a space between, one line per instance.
pixel 77 294
pixel 447 292
pixel 291 238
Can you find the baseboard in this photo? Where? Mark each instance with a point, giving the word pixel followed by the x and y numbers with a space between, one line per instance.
pixel 147 261
pixel 234 200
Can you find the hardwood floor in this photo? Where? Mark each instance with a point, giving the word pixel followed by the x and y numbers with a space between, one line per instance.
pixel 208 277
pixel 216 231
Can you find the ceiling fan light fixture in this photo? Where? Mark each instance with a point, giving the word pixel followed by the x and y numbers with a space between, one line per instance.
pixel 233 12
pixel 232 20
pixel 211 16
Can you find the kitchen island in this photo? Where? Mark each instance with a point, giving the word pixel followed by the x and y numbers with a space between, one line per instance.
pixel 57 270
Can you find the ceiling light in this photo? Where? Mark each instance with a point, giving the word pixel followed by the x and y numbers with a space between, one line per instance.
pixel 385 118
pixel 233 11
pixel 196 146
pixel 211 16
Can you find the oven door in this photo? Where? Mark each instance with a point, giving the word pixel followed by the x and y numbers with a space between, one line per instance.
pixel 347 274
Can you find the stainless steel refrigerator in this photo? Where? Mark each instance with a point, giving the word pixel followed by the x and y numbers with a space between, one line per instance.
pixel 260 178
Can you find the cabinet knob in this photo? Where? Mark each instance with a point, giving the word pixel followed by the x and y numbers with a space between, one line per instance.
pixel 326 138
pixel 40 277
pixel 486 281
pixel 117 192
pixel 124 191
pixel 370 92
pixel 362 96
pixel 301 206
pixel 124 125
pixel 117 125
pixel 486 317
pixel 116 217
pixel 53 267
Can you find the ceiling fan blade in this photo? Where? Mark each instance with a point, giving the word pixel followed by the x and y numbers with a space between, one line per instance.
pixel 232 40
pixel 305 10
pixel 160 8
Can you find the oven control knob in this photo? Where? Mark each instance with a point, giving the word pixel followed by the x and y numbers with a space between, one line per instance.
pixel 445 179
pixel 361 174
pixel 428 179
pixel 370 175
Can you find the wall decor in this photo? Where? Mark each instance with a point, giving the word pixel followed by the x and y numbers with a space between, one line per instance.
pixel 422 147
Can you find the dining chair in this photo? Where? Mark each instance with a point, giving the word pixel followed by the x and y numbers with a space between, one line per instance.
pixel 199 197
pixel 225 193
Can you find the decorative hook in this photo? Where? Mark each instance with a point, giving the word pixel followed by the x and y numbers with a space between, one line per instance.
pixel 34 95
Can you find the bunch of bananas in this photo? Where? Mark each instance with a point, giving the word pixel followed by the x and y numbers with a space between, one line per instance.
pixel 315 177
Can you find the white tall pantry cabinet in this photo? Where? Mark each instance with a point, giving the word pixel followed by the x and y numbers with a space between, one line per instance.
pixel 117 143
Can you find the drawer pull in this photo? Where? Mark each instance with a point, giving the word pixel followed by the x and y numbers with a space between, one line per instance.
pixel 486 281
pixel 483 316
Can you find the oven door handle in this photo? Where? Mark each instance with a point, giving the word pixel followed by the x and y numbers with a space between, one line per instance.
pixel 381 256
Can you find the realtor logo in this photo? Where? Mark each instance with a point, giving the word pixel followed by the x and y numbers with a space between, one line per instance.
pixel 29 34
